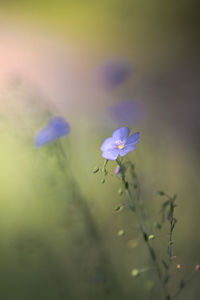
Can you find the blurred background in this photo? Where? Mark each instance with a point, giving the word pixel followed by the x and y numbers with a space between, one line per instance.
pixel 101 65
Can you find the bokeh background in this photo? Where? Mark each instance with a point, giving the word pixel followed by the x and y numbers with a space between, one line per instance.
pixel 58 227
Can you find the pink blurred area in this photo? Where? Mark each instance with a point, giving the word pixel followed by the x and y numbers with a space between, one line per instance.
pixel 59 69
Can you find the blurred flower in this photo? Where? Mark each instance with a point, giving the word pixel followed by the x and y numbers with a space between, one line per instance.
pixel 197 267
pixel 126 112
pixel 120 143
pixel 115 73
pixel 56 128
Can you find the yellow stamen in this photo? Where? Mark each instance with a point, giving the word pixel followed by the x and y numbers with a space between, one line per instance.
pixel 121 146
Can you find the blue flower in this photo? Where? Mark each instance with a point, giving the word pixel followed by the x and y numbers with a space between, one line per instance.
pixel 115 73
pixel 56 128
pixel 127 112
pixel 120 143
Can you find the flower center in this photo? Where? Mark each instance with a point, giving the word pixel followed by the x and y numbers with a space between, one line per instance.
pixel 121 146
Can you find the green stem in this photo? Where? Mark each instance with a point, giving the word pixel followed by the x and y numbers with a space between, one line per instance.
pixel 126 186
pixel 144 234
pixel 172 224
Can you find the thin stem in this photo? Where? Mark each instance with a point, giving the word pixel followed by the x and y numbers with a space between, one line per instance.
pixel 156 264
pixel 126 185
pixel 172 225
pixel 144 234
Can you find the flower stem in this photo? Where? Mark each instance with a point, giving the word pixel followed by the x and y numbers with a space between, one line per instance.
pixel 126 185
pixel 172 225
pixel 144 234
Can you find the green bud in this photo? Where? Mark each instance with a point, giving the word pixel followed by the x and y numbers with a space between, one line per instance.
pixel 151 237
pixel 96 169
pixel 121 232
pixel 135 273
pixel 102 180
pixel 119 208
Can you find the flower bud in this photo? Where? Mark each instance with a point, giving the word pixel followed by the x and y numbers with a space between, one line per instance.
pixel 119 208
pixel 117 170
pixel 102 180
pixel 121 232
pixel 151 237
pixel 96 169
pixel 135 273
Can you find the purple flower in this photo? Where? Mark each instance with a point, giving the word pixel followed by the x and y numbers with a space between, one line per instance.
pixel 115 73
pixel 126 112
pixel 56 128
pixel 120 143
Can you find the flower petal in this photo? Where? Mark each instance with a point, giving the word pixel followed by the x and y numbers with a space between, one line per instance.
pixel 56 128
pixel 133 139
pixel 126 149
pixel 115 73
pixel 111 154
pixel 121 134
pixel 107 144
pixel 59 126
pixel 126 112
pixel 44 137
